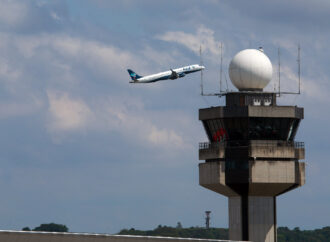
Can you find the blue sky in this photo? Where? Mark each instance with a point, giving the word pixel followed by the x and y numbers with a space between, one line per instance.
pixel 82 147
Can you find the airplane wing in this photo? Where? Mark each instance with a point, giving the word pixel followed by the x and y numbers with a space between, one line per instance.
pixel 174 75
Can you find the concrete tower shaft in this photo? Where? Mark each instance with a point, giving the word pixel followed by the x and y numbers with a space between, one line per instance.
pixel 251 158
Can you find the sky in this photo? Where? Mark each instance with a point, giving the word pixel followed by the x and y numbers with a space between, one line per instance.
pixel 81 146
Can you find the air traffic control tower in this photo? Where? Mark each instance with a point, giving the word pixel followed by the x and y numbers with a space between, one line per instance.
pixel 252 156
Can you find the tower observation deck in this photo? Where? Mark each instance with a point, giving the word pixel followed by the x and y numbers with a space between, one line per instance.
pixel 251 155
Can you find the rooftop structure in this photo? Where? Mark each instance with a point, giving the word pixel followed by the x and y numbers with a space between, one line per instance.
pixel 250 70
pixel 28 236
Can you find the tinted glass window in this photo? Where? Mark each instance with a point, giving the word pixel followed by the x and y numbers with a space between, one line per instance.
pixel 236 128
pixel 272 128
pixel 217 131
pixel 227 128
pixel 251 129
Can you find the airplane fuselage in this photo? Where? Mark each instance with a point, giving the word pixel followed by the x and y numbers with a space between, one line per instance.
pixel 166 75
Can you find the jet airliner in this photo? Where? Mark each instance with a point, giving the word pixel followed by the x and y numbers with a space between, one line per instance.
pixel 166 75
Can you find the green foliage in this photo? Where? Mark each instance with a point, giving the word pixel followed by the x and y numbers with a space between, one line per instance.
pixel 52 227
pixel 284 234
pixel 192 232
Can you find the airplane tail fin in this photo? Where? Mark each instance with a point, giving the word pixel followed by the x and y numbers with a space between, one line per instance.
pixel 133 75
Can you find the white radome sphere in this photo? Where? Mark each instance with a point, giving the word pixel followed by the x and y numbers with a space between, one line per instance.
pixel 250 70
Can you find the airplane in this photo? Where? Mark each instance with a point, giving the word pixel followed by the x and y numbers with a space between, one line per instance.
pixel 166 75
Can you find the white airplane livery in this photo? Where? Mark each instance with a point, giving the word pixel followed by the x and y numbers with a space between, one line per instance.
pixel 166 75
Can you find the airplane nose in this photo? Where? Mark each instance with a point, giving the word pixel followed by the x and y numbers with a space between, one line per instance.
pixel 203 67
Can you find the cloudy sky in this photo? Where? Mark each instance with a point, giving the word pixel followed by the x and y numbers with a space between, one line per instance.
pixel 82 147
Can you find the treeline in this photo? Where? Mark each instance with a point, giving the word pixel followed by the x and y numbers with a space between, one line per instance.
pixel 284 234
pixel 317 235
pixel 51 227
pixel 193 232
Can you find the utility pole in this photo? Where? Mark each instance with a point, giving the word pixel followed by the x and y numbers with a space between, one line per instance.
pixel 207 219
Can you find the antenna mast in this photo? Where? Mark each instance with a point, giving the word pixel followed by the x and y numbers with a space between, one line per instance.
pixel 207 219
pixel 279 71
pixel 221 67
pixel 201 63
pixel 298 61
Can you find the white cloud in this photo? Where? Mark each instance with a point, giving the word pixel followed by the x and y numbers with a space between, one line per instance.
pixel 7 72
pixel 314 90
pixel 137 124
pixel 129 119
pixel 287 45
pixel 161 59
pixel 98 58
pixel 58 57
pixel 12 12
pixel 67 113
pixel 103 58
pixel 204 36
pixel 55 16
pixel 164 137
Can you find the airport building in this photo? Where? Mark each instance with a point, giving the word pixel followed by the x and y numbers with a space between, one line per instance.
pixel 27 236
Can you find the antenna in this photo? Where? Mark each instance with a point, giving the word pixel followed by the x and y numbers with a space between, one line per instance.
pixel 279 71
pixel 201 63
pixel 226 83
pixel 298 62
pixel 207 219
pixel 224 88
pixel 221 67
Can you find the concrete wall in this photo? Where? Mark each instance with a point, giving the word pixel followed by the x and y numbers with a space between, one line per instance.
pixel 262 224
pixel 273 172
pixel 212 176
pixel 261 218
pixel 264 151
pixel 21 236
pixel 271 178
pixel 266 178
pixel 255 150
pixel 214 152
pixel 235 218
pixel 251 111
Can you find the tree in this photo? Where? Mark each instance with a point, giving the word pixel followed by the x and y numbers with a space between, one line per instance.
pixel 52 227
pixel 26 229
pixel 284 234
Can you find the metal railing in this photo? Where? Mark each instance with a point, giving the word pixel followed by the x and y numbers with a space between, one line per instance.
pixel 208 145
pixel 299 145
pixel 246 143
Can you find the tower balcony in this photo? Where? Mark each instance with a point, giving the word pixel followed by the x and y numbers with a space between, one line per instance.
pixel 254 149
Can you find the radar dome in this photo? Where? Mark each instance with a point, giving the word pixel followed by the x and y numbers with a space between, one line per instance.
pixel 250 70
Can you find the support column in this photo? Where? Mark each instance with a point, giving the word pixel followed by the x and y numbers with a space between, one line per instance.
pixel 252 218
pixel 262 219
pixel 235 218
